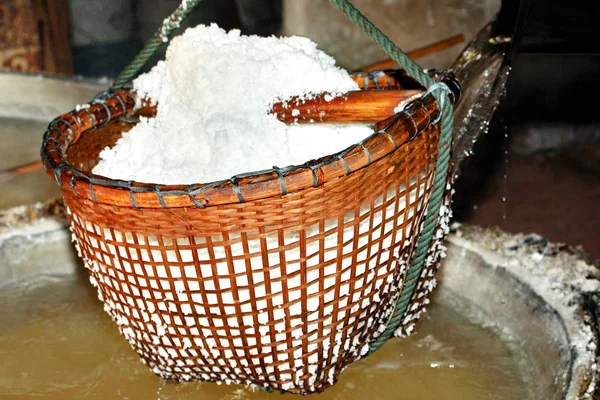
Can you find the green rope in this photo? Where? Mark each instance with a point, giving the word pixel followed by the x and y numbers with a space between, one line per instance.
pixel 441 167
pixel 393 51
pixel 161 36
pixel 424 240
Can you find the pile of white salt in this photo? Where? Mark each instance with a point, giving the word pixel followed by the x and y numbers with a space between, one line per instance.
pixel 214 92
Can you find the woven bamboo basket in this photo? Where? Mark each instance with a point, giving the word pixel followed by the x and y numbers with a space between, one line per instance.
pixel 279 278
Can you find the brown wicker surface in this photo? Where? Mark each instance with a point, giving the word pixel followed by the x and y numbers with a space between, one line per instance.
pixel 279 279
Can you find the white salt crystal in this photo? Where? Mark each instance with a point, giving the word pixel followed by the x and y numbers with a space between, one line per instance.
pixel 214 91
pixel 263 318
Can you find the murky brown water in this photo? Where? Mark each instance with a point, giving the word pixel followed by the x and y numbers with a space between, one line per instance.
pixel 57 342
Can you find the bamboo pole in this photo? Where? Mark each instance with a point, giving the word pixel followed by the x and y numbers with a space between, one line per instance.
pixel 417 53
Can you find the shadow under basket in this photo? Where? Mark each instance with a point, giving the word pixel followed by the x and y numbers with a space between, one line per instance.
pixel 278 279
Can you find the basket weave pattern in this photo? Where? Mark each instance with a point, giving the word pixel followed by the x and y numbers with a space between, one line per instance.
pixel 283 292
pixel 279 278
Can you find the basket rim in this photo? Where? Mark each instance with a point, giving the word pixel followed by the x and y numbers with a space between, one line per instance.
pixel 111 108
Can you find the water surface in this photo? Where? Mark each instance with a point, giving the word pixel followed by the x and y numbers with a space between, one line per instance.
pixel 57 342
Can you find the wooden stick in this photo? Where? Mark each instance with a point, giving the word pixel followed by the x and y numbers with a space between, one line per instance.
pixel 417 53
pixel 355 107
pixel 20 170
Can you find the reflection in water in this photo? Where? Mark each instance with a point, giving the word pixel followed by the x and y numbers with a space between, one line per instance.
pixel 56 341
